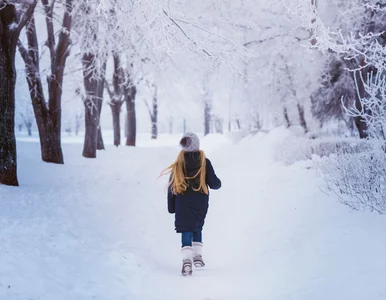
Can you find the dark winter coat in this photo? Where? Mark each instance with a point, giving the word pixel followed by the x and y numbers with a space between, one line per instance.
pixel 191 207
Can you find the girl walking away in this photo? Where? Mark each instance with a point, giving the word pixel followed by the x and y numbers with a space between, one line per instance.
pixel 188 197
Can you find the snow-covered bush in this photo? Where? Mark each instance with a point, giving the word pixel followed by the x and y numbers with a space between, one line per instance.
pixel 297 149
pixel 358 179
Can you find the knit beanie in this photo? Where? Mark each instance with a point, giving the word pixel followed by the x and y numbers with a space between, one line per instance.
pixel 190 142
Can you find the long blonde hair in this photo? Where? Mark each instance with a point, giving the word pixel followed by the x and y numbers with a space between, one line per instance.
pixel 178 178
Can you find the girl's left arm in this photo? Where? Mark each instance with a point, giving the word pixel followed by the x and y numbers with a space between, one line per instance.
pixel 211 178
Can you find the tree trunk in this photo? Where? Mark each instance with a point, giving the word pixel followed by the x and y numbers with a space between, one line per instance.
pixel 238 123
pixel 303 122
pixel 10 28
pixel 29 129
pixel 91 108
pixel 91 133
pixel 49 117
pixel 131 122
pixel 126 131
pixel 100 144
pixel 184 126
pixel 207 117
pixel 154 128
pixel 314 5
pixel 116 112
pixel 286 118
pixel 100 90
pixel 49 129
pixel 51 144
pixel 154 117
pixel 8 163
pixel 360 122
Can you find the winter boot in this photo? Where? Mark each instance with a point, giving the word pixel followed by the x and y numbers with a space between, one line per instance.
pixel 197 255
pixel 187 254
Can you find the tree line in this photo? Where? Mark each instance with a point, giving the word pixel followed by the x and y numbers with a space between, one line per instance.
pixel 99 31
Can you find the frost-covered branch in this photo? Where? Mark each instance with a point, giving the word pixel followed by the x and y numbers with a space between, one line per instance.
pixel 373 108
pixel 26 8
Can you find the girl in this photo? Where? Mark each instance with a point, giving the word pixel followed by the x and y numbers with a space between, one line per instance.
pixel 188 197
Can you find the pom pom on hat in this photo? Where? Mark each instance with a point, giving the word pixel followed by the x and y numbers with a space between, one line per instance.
pixel 190 142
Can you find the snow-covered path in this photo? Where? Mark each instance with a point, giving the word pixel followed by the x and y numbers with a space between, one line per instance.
pixel 99 229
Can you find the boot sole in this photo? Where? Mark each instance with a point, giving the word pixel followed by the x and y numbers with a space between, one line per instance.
pixel 187 271
pixel 199 264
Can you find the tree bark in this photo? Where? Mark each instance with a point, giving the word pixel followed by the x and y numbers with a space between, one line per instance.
pixel 207 117
pixel 131 118
pixel 49 129
pixel 360 122
pixel 238 124
pixel 126 128
pixel 48 118
pixel 286 117
pixel 100 144
pixel 91 108
pixel 99 95
pixel 116 113
pixel 303 122
pixel 117 98
pixel 314 5
pixel 29 129
pixel 8 163
pixel 10 28
pixel 154 116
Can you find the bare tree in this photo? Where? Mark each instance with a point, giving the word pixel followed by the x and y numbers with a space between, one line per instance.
pixel 299 106
pixel 48 115
pixel 13 17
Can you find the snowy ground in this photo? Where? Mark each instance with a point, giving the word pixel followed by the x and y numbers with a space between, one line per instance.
pixel 99 229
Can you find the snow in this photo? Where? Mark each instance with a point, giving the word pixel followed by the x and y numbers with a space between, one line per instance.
pixel 99 229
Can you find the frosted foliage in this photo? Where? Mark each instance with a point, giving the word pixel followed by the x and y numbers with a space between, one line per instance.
pixel 373 108
pixel 354 33
pixel 168 27
pixel 337 85
pixel 249 48
pixel 358 179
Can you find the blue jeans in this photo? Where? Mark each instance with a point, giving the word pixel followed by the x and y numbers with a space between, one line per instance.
pixel 188 237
